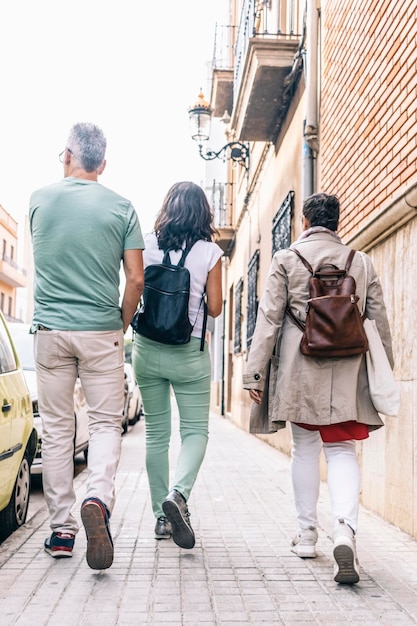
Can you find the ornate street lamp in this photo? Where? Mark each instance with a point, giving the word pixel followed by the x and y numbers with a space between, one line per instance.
pixel 200 122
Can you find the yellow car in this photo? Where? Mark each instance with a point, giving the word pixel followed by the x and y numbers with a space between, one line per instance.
pixel 18 438
pixel 23 343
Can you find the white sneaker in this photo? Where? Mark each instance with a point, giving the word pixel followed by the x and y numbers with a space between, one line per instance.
pixel 346 568
pixel 304 543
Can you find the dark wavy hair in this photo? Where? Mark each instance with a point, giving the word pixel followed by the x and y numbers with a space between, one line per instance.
pixel 185 216
pixel 322 209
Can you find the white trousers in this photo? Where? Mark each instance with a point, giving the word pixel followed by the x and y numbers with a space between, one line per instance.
pixel 98 359
pixel 343 477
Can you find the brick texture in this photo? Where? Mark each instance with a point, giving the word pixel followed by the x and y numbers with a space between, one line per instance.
pixel 368 104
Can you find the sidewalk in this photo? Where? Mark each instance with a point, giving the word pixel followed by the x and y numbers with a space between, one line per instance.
pixel 241 570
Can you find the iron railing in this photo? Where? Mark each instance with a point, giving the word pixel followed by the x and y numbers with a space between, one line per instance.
pixel 13 263
pixel 252 303
pixel 221 195
pixel 281 224
pixel 237 344
pixel 223 53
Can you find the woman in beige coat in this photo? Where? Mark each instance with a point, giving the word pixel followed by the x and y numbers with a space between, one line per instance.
pixel 326 400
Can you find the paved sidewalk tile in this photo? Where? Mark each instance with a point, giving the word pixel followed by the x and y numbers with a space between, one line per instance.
pixel 241 570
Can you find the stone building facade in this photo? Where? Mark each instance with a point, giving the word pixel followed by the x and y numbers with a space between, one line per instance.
pixel 323 94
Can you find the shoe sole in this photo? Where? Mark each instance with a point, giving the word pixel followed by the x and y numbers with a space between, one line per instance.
pixel 59 554
pixel 182 534
pixel 99 545
pixel 162 536
pixel 345 560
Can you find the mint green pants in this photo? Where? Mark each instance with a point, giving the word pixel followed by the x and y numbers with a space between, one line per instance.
pixel 186 369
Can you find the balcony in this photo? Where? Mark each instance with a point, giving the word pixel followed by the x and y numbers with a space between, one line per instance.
pixel 267 44
pixel 252 66
pixel 221 195
pixel 261 95
pixel 11 274
pixel 223 62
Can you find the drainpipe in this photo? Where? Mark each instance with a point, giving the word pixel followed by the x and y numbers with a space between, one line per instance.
pixel 223 391
pixel 311 122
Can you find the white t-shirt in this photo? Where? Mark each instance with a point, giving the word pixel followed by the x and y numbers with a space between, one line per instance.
pixel 202 257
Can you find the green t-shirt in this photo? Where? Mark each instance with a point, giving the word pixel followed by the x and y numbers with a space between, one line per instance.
pixel 80 230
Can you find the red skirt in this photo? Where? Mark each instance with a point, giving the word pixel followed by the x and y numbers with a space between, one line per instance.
pixel 331 433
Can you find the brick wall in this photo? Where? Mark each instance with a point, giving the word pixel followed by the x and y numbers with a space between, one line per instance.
pixel 369 103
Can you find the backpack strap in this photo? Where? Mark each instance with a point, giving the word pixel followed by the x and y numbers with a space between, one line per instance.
pixel 295 319
pixel 305 262
pixel 203 330
pixel 349 260
pixel 167 259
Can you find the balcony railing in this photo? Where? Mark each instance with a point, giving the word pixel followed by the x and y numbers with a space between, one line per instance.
pixel 221 203
pixel 223 53
pixel 13 263
pixel 12 274
pixel 221 200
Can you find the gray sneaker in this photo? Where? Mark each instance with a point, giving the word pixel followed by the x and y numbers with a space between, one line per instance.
pixel 304 543
pixel 163 529
pixel 346 567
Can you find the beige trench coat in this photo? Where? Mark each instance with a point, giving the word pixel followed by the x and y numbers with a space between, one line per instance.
pixel 305 389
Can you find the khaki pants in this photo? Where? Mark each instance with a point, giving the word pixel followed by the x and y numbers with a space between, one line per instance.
pixel 98 359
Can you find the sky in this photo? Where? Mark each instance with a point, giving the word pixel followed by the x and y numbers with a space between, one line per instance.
pixel 131 67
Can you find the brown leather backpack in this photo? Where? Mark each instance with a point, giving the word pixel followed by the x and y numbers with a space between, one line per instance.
pixel 334 325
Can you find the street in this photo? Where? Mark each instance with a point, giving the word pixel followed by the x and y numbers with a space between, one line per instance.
pixel 241 571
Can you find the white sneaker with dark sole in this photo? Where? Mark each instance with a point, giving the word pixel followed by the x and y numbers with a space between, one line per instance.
pixel 346 568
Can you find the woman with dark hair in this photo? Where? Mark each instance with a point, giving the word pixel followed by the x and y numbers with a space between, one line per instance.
pixel 325 400
pixel 184 220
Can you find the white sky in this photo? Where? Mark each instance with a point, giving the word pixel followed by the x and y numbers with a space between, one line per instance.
pixel 131 67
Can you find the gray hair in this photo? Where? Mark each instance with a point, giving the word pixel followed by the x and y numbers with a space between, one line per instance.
pixel 88 144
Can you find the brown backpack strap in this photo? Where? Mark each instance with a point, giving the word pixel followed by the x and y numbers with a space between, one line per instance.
pixel 305 262
pixel 349 260
pixel 295 319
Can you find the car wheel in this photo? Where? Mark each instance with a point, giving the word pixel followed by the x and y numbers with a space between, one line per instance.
pixel 15 513
pixel 135 417
pixel 140 412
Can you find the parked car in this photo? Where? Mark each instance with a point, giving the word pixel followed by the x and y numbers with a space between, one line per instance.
pixel 23 342
pixel 135 408
pixel 125 420
pixel 18 437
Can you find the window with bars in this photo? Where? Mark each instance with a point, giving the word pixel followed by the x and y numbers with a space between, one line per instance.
pixel 238 317
pixel 252 303
pixel 281 224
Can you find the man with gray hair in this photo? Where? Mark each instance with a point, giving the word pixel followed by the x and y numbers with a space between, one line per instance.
pixel 81 233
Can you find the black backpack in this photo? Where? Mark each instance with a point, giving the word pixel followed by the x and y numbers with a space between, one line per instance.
pixel 163 313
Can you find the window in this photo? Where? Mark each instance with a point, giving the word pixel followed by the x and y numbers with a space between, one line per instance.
pixel 238 317
pixel 7 359
pixel 10 307
pixel 252 304
pixel 2 301
pixel 281 224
